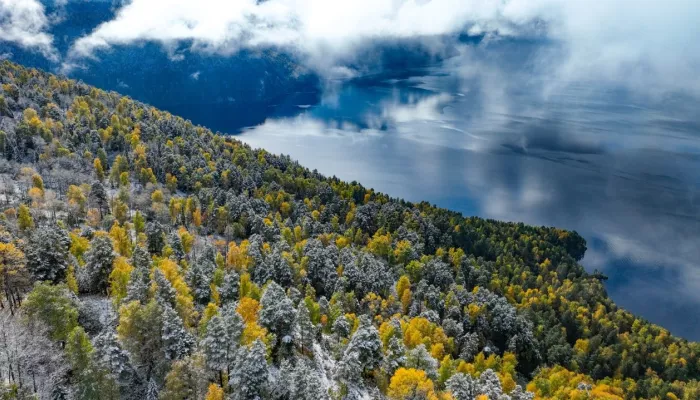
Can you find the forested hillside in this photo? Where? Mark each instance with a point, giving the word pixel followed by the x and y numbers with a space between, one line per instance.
pixel 143 257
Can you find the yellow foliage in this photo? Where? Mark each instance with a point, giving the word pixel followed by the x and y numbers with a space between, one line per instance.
pixel 184 302
pixel 403 290
pixel 380 245
pixel 78 246
pixel 411 384
pixel 560 383
pixel 248 288
pixel 36 194
pixel 237 256
pixel 71 280
pixel 197 217
pixel 253 332
pixel 215 392
pixel 207 314
pixel 421 331
pixel 403 251
pixel 25 220
pixel 342 242
pixel 248 308
pixel 186 238
pixel 121 239
pixel 119 279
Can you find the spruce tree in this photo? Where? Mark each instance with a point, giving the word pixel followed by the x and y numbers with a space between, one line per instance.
pixel 99 196
pixel 165 293
pixel 249 379
pixel 277 312
pixel 47 254
pixel 306 331
pixel 177 342
pixel 175 244
pixel 98 264
pixel 139 280
pixel 363 353
pixel 155 237
pixel 221 340
pixel 199 277
pixel 462 386
pixel 152 390
pixel 228 291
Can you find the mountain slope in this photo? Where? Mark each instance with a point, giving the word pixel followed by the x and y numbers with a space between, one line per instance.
pixel 231 272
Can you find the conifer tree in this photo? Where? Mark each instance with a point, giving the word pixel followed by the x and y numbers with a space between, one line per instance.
pixel 47 254
pixel 277 312
pixel 249 378
pixel 221 341
pixel 98 264
pixel 177 342
pixel 306 331
pixel 363 353
pixel 139 281
pixel 152 390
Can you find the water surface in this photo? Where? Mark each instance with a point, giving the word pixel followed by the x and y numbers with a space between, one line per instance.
pixel 615 164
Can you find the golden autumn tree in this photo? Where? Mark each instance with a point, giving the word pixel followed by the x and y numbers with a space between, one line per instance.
pixel 411 384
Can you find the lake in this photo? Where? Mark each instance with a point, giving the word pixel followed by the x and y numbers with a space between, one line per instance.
pixel 619 167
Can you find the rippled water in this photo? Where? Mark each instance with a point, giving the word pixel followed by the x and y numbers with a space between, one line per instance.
pixel 618 166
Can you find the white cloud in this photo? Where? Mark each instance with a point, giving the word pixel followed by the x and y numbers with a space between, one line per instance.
pixel 644 41
pixel 316 27
pixel 24 23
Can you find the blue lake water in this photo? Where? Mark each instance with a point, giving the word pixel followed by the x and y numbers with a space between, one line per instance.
pixel 484 130
pixel 620 169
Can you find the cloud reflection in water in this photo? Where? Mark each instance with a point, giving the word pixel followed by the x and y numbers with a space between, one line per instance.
pixel 618 167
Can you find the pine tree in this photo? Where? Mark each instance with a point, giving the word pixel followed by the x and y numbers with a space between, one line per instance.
pixel 98 264
pixel 221 341
pixel 99 196
pixel 519 394
pixel 47 254
pixel 341 327
pixel 59 392
pixel 277 312
pixel 165 293
pixel 177 342
pixel 363 353
pixel 229 287
pixel 420 358
pixel 111 357
pixel 199 277
pixel 462 386
pixel 155 237
pixel 152 390
pixel 489 385
pixel 303 381
pixel 139 281
pixel 175 244
pixel 306 331
pixel 272 268
pixel 249 380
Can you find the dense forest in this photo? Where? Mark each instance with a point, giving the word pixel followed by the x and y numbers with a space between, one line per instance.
pixel 144 257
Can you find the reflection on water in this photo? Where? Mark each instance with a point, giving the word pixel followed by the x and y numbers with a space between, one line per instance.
pixel 618 167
